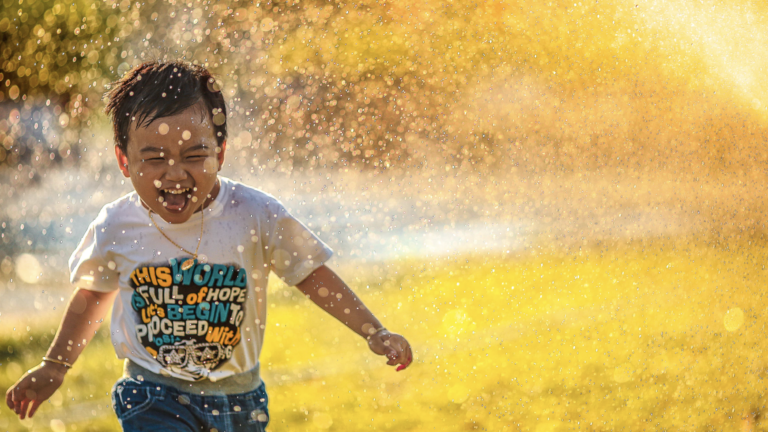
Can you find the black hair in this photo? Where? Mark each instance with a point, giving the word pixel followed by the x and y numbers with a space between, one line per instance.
pixel 162 89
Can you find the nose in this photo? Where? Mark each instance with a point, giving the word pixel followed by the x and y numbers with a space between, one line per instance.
pixel 175 171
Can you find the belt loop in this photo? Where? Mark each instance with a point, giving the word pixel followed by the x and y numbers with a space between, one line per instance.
pixel 158 390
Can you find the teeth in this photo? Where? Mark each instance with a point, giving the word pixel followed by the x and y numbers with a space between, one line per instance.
pixel 175 191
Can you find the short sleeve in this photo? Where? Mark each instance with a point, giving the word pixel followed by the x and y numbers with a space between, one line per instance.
pixel 88 268
pixel 295 251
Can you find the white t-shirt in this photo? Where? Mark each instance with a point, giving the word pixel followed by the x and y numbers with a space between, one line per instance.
pixel 207 321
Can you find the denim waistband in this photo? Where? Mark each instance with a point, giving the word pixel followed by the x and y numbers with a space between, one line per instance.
pixel 239 383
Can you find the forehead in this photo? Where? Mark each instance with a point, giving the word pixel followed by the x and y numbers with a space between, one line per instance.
pixel 190 125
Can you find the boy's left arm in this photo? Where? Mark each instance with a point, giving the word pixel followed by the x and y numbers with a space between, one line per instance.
pixel 326 289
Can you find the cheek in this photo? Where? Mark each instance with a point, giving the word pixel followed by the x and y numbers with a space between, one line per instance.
pixel 210 165
pixel 145 171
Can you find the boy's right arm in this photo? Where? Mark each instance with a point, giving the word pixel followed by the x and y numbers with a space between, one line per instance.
pixel 82 318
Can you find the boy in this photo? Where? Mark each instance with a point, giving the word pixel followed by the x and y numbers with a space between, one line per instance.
pixel 186 259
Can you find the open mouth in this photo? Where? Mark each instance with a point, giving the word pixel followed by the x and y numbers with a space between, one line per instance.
pixel 175 200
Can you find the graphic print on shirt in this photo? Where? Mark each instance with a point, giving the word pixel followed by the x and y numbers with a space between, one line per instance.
pixel 189 320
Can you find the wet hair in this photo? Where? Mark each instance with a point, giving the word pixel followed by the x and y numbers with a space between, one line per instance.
pixel 156 89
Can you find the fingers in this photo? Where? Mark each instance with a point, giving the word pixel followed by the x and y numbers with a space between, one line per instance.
pixel 384 345
pixel 403 356
pixel 23 411
pixel 396 351
pixel 395 348
pixel 16 400
pixel 409 359
pixel 33 407
pixel 9 398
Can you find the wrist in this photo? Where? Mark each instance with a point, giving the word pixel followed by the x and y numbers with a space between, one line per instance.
pixel 57 365
pixel 57 369
pixel 374 332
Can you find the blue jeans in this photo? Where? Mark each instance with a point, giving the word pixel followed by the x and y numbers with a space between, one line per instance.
pixel 143 406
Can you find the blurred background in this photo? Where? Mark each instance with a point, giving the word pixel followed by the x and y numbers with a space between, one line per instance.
pixel 560 204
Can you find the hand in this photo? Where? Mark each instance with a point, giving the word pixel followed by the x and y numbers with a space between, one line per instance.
pixel 394 346
pixel 34 388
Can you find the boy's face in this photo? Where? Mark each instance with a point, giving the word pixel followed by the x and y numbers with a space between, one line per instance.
pixel 173 163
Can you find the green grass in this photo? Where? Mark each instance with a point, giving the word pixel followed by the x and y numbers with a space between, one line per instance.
pixel 627 337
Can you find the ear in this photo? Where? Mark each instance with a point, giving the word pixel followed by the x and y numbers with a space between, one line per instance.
pixel 122 161
pixel 220 155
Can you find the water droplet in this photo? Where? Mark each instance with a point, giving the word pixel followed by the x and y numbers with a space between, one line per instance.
pixel 281 258
pixel 58 425
pixel 259 415
pixel 213 85
pixel 368 328
pixel 266 24
pixel 158 184
pixel 622 373
pixel 457 321
pixel 28 268
pixel 458 393
pixel 322 420
pixel 323 292
pixel 733 319
pixel 163 128
pixel 240 248
pixel 186 135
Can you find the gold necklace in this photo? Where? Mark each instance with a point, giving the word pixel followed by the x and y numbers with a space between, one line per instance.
pixel 188 263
